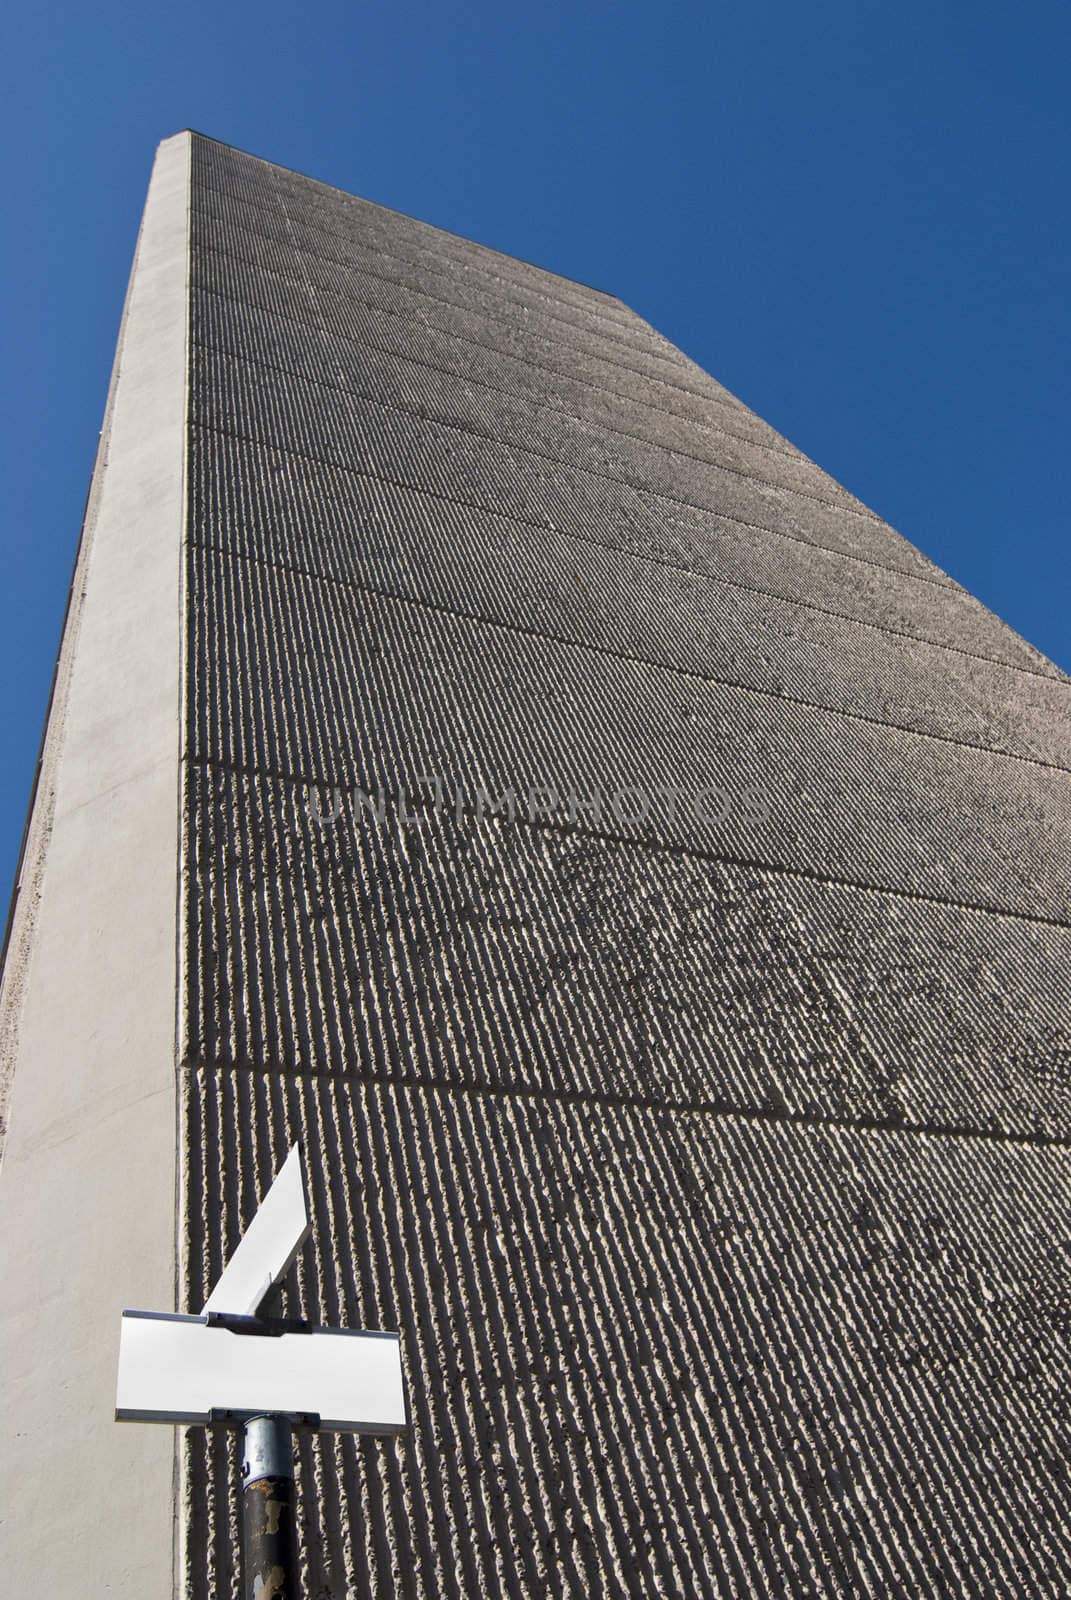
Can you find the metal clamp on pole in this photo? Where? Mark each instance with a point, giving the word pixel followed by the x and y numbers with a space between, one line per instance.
pixel 268 1544
pixel 258 1327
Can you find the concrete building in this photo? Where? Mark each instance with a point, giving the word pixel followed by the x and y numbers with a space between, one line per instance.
pixel 482 748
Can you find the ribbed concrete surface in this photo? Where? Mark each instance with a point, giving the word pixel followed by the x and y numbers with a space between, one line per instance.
pixel 661 1352
pixel 537 958
pixel 713 1163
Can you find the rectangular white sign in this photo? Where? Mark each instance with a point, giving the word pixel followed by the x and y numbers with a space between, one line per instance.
pixel 178 1369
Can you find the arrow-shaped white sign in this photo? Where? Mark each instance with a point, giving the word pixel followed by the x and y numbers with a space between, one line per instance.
pixel 269 1246
pixel 230 1363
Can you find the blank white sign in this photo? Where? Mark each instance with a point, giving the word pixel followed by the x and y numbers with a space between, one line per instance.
pixel 179 1370
pixel 269 1246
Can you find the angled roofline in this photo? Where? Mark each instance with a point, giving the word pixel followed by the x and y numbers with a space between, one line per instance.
pixel 349 195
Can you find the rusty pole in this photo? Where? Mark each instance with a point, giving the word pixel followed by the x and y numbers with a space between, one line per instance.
pixel 269 1567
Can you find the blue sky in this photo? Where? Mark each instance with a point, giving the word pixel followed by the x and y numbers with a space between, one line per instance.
pixel 853 214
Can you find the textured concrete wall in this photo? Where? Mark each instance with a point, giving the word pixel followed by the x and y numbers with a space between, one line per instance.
pixel 713 1161
pixel 713 1166
pixel 87 1191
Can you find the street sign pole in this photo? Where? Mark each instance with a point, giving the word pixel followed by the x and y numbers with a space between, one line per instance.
pixel 236 1364
pixel 269 1567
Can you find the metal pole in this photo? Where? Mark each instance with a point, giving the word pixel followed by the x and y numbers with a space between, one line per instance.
pixel 269 1567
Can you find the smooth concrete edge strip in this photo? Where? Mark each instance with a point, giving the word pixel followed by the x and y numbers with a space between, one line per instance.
pixel 90 983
